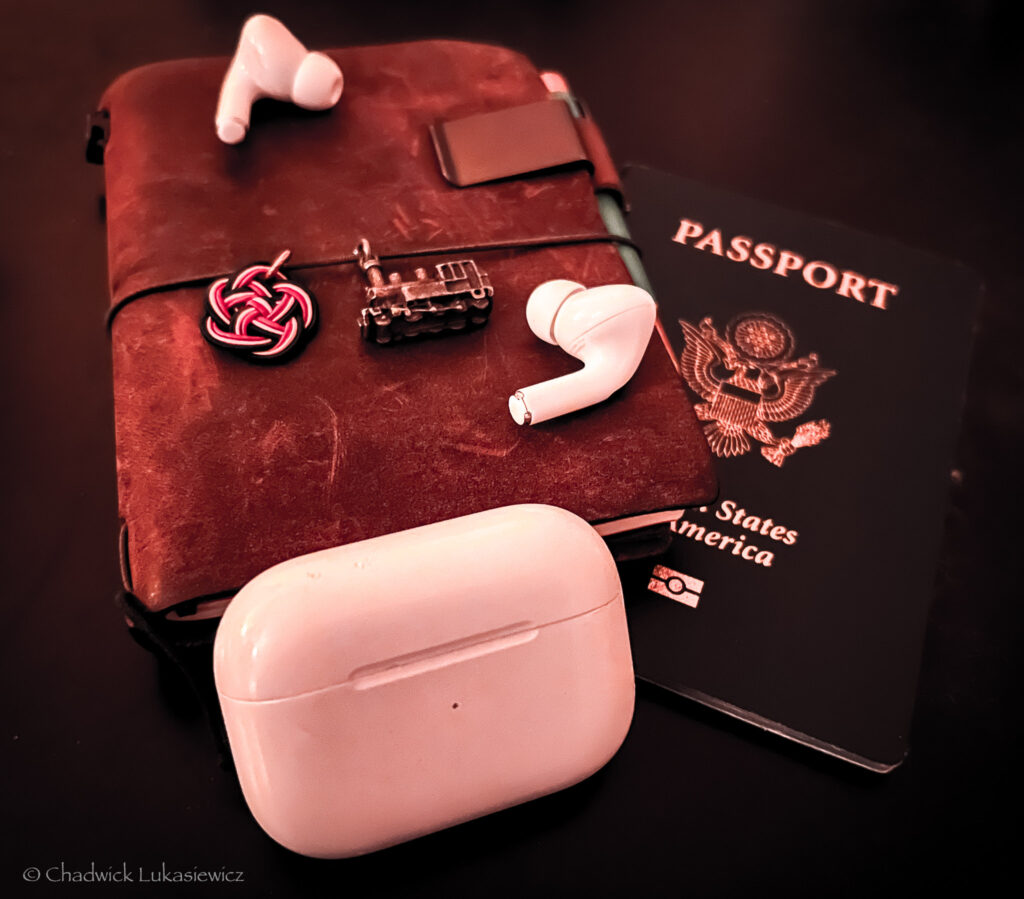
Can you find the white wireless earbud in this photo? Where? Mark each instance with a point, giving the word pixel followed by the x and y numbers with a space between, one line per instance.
pixel 271 62
pixel 607 328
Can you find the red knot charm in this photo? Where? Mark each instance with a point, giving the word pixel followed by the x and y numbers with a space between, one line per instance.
pixel 259 313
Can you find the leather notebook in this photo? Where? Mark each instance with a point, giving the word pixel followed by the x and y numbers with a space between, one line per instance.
pixel 226 467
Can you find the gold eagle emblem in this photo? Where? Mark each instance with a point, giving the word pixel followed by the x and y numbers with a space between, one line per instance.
pixel 748 378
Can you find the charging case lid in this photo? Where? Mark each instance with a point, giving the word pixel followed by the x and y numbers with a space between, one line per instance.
pixel 322 619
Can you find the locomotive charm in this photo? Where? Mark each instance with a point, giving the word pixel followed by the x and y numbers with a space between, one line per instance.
pixel 457 298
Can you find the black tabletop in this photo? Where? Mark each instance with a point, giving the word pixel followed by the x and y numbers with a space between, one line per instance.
pixel 903 119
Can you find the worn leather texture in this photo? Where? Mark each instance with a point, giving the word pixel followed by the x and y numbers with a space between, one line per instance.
pixel 225 467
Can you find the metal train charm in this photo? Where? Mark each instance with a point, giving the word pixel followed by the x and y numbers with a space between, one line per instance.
pixel 457 298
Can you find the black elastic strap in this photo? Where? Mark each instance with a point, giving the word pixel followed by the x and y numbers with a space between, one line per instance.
pixel 519 243
pixel 188 648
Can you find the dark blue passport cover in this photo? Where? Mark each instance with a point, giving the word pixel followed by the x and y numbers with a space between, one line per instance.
pixel 828 367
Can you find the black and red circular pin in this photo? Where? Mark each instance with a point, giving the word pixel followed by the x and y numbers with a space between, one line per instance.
pixel 259 314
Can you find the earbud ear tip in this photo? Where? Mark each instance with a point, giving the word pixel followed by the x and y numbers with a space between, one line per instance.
pixel 318 82
pixel 544 303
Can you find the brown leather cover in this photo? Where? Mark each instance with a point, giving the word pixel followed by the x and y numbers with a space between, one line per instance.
pixel 225 467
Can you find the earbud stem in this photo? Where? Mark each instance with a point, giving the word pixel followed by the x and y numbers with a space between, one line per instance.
pixel 593 383
pixel 235 107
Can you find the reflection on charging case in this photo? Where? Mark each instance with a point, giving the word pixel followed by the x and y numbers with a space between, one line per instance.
pixel 386 689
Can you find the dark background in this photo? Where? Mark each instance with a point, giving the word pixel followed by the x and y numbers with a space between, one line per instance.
pixel 902 119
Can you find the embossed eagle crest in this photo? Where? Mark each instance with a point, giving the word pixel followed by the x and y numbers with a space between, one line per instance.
pixel 748 379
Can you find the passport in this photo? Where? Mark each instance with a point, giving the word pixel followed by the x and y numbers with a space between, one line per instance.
pixel 827 368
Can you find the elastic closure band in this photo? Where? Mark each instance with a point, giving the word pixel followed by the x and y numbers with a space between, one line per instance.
pixel 526 242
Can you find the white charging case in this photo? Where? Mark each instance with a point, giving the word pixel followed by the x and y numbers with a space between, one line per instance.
pixel 386 689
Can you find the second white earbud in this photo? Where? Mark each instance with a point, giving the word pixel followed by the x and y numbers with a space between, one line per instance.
pixel 607 328
pixel 271 62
